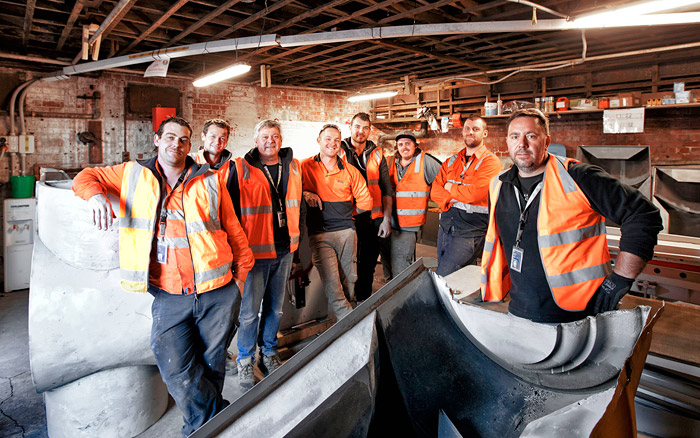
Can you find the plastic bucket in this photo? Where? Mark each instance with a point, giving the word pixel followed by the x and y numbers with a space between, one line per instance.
pixel 22 186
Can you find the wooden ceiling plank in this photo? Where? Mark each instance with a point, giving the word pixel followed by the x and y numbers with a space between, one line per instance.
pixel 349 69
pixel 156 24
pixel 436 5
pixel 345 17
pixel 215 13
pixel 353 69
pixel 260 14
pixel 308 14
pixel 296 61
pixel 430 54
pixel 28 17
pixel 315 65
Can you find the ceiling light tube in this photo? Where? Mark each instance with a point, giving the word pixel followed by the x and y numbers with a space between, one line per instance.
pixel 222 75
pixel 622 15
pixel 372 96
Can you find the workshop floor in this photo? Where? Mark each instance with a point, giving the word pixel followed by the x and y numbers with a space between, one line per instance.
pixel 22 413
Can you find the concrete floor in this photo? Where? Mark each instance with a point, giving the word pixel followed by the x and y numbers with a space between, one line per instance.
pixel 21 408
pixel 22 413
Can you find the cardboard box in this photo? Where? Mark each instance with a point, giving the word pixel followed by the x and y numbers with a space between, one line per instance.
pixel 678 87
pixel 694 96
pixel 629 99
pixel 581 104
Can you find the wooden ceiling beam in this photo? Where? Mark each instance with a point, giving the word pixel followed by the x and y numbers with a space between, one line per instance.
pixel 345 17
pixel 352 68
pixel 340 66
pixel 445 58
pixel 28 17
pixel 297 61
pixel 436 5
pixel 308 14
pixel 156 24
pixel 260 14
pixel 211 15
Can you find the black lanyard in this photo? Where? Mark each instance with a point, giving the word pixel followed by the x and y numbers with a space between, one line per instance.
pixel 523 211
pixel 165 198
pixel 272 183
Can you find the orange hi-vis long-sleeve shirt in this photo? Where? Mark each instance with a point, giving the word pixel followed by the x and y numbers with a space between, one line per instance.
pixel 337 189
pixel 470 180
pixel 177 274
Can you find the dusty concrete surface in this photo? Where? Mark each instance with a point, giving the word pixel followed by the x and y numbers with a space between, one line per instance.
pixel 21 408
pixel 22 412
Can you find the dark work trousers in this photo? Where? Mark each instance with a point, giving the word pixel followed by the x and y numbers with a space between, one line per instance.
pixel 456 252
pixel 368 245
pixel 189 337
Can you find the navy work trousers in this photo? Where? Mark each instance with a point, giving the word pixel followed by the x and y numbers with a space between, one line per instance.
pixel 189 337
pixel 456 252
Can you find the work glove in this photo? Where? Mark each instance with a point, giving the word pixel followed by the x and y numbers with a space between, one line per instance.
pixel 613 288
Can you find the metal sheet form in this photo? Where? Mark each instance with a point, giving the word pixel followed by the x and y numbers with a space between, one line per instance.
pixel 415 357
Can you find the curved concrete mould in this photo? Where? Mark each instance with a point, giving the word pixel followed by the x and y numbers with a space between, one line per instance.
pixel 69 233
pixel 84 331
pixel 410 361
pixel 120 402
pixel 576 355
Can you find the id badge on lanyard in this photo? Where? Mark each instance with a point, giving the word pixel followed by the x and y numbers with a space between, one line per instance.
pixel 516 258
pixel 281 214
pixel 161 247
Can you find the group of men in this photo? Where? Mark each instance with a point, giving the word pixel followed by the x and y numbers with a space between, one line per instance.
pixel 214 238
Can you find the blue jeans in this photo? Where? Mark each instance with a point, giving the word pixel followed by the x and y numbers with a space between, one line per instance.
pixel 265 285
pixel 189 337
pixel 455 252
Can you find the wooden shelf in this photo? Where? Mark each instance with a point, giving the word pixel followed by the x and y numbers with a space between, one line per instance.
pixel 556 113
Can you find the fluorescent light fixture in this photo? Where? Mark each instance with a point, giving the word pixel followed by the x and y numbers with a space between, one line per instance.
pixel 635 14
pixel 371 96
pixel 221 75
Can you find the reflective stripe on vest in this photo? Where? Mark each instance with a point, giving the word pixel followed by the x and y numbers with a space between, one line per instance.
pixel 471 208
pixel 257 212
pixel 572 243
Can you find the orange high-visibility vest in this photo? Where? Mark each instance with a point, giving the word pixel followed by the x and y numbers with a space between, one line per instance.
pixel 411 192
pixel 373 161
pixel 221 166
pixel 571 239
pixel 197 226
pixel 257 212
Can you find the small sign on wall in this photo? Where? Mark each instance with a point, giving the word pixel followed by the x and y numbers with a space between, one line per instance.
pixel 623 121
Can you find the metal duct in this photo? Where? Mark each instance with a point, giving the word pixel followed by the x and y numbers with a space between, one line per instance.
pixel 677 189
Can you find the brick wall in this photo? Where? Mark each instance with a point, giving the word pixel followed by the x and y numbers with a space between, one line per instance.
pixel 301 112
pixel 673 134
pixel 55 114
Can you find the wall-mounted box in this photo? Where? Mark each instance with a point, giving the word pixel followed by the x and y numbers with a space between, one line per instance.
pixel 12 143
pixel 25 144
